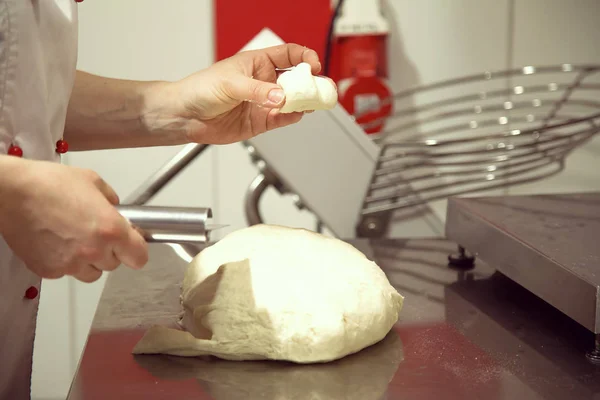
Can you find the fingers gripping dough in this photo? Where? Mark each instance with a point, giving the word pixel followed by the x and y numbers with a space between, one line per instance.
pixel 270 292
pixel 304 92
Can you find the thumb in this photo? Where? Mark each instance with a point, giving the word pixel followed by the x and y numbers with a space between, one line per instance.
pixel 264 93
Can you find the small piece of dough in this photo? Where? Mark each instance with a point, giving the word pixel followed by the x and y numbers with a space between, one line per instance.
pixel 271 292
pixel 306 92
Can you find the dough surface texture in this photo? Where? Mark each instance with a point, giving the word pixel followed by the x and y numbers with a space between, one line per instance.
pixel 272 292
pixel 305 92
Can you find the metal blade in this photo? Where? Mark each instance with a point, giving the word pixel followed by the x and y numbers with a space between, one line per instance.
pixel 212 227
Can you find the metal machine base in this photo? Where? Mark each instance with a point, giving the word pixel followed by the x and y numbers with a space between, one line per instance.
pixel 546 243
pixel 462 260
pixel 594 355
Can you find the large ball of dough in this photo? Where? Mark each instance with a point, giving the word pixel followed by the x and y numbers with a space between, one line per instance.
pixel 271 292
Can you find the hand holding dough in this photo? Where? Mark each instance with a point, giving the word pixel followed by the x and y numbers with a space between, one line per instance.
pixel 271 292
pixel 305 92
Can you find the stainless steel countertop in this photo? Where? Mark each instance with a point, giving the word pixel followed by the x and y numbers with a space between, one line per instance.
pixel 461 335
pixel 549 244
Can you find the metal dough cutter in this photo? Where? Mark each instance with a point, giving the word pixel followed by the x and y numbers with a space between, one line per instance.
pixel 170 224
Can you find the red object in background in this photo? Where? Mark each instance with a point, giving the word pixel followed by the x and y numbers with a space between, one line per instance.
pixel 358 64
pixel 238 21
pixel 368 99
pixel 359 56
pixel 359 67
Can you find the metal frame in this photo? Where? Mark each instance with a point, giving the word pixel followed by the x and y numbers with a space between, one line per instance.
pixel 266 178
pixel 477 224
pixel 499 137
pixel 168 224
pixel 165 174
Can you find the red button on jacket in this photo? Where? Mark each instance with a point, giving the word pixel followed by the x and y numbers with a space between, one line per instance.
pixel 31 293
pixel 15 151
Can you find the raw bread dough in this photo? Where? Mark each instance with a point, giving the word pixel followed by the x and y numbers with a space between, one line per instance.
pixel 304 91
pixel 272 292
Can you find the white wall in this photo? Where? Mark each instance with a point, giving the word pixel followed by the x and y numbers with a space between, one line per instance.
pixel 154 39
pixel 561 32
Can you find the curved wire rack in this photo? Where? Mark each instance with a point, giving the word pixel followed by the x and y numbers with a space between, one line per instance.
pixel 482 132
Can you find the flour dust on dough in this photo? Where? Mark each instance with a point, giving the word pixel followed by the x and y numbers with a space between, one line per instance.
pixel 278 293
pixel 306 92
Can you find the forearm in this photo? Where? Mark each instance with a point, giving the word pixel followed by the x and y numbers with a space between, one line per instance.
pixel 107 113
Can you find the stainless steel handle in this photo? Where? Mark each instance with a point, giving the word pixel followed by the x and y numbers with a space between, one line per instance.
pixel 166 173
pixel 252 199
pixel 169 224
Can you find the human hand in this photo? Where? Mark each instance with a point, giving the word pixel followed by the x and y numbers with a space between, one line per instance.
pixel 236 98
pixel 61 220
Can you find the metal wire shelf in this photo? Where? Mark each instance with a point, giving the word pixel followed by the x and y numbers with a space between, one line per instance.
pixel 481 132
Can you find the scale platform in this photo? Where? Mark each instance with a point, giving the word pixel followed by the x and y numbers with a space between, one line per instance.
pixel 548 244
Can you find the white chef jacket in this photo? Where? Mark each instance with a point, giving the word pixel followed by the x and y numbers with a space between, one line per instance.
pixel 38 55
